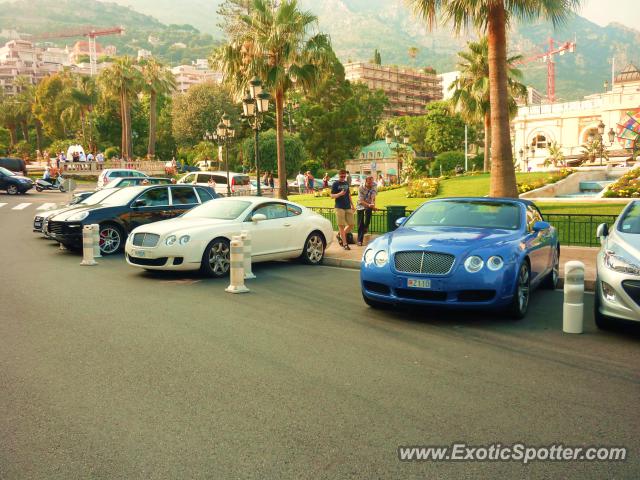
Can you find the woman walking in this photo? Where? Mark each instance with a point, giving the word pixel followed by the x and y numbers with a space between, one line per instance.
pixel 366 205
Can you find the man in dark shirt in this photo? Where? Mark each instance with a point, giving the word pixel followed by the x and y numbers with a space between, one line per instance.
pixel 344 208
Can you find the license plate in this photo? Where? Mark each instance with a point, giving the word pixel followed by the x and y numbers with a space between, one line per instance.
pixel 38 224
pixel 139 253
pixel 418 283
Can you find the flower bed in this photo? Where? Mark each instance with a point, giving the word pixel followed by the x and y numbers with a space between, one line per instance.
pixel 541 182
pixel 627 186
pixel 423 188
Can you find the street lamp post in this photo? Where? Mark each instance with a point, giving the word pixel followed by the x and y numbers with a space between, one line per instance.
pixel 254 105
pixel 601 129
pixel 389 138
pixel 225 133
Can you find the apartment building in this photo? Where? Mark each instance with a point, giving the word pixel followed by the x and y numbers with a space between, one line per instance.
pixel 408 90
pixel 189 75
pixel 19 58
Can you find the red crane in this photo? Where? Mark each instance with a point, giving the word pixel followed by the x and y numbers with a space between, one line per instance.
pixel 555 48
pixel 91 33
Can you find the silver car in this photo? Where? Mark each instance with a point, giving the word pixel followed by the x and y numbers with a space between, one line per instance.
pixel 618 269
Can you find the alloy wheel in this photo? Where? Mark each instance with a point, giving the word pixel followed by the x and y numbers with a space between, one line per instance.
pixel 314 249
pixel 523 288
pixel 12 190
pixel 110 240
pixel 219 258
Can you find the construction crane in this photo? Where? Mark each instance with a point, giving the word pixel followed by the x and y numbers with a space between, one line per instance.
pixel 555 48
pixel 91 33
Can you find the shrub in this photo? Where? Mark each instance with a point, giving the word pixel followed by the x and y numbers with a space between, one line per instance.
pixel 422 188
pixel 314 167
pixel 448 161
pixel 627 186
pixel 111 152
pixel 541 182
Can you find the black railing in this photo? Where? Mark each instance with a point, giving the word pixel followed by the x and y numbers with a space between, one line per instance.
pixel 573 229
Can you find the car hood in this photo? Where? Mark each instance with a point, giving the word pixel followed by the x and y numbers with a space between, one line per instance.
pixel 629 242
pixel 453 240
pixel 183 225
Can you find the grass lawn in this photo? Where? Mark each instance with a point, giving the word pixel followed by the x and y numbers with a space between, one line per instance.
pixel 471 186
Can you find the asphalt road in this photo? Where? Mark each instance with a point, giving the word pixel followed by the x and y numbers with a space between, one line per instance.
pixel 108 372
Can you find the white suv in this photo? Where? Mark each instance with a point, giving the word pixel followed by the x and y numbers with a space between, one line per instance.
pixel 110 173
pixel 240 183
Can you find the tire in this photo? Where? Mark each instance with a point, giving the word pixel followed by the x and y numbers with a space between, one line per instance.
pixel 603 322
pixel 61 188
pixel 313 250
pixel 550 282
pixel 38 188
pixel 111 239
pixel 522 293
pixel 216 258
pixel 374 303
pixel 12 190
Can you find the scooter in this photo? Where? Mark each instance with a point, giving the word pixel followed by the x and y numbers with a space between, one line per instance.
pixel 57 184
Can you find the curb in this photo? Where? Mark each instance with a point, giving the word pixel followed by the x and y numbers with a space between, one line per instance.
pixel 589 285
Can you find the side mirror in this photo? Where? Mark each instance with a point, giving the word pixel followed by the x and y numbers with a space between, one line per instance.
pixel 541 226
pixel 400 221
pixel 139 203
pixel 258 217
pixel 602 231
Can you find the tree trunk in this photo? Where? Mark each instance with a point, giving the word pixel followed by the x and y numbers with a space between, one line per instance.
pixel 487 142
pixel 84 130
pixel 128 131
pixel 25 131
pixel 153 115
pixel 13 135
pixel 38 134
pixel 92 146
pixel 282 167
pixel 503 175
pixel 123 127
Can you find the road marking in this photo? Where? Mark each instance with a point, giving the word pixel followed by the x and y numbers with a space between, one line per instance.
pixel 2 205
pixel 46 206
pixel 21 206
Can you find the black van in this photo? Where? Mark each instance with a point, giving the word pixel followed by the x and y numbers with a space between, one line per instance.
pixel 14 164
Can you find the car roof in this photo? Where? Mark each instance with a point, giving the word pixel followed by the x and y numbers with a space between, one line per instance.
pixel 220 172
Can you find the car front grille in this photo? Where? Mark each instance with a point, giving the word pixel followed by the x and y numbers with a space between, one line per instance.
pixel 430 263
pixel 145 239
pixel 426 295
pixel 64 228
pixel 149 262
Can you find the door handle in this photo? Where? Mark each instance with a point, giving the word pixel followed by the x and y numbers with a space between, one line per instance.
pixel 287 224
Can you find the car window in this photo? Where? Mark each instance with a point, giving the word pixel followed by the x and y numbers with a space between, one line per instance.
pixel 226 209
pixel 241 180
pixel 156 197
pixel 464 213
pixel 205 195
pixel 6 172
pixel 220 179
pixel 272 210
pixel 630 223
pixel 293 211
pixel 203 178
pixel 533 216
pixel 183 196
pixel 139 174
pixel 127 182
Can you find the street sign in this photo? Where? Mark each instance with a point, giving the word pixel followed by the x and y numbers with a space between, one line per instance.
pixel 69 185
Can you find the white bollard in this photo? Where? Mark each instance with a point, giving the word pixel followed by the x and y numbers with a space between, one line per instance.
pixel 245 236
pixel 62 247
pixel 573 308
pixel 87 246
pixel 96 240
pixel 237 267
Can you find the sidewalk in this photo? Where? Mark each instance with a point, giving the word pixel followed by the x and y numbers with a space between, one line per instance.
pixel 336 256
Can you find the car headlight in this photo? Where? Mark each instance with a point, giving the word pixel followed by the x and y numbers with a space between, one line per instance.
pixel 170 240
pixel 78 217
pixel 368 256
pixel 495 263
pixel 184 239
pixel 620 264
pixel 381 258
pixel 473 264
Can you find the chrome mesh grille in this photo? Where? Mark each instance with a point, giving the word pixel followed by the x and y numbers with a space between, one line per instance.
pixel 424 262
pixel 145 239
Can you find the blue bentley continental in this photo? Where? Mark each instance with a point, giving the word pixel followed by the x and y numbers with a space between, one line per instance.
pixel 481 253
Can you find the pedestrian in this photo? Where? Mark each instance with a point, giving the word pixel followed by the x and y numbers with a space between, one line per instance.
pixel 83 157
pixel 90 157
pixel 380 181
pixel 100 157
pixel 310 182
pixel 325 181
pixel 265 179
pixel 344 208
pixel 300 180
pixel 173 181
pixel 272 182
pixel 212 183
pixel 366 205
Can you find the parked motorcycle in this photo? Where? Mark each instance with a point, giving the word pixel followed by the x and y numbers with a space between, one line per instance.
pixel 57 184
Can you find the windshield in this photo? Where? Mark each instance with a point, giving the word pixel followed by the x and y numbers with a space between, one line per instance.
pixel 6 172
pixel 122 196
pixel 464 213
pixel 97 197
pixel 219 209
pixel 630 223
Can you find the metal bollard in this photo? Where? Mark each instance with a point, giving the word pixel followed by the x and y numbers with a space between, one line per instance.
pixel 245 236
pixel 96 240
pixel 237 267
pixel 573 308
pixel 87 246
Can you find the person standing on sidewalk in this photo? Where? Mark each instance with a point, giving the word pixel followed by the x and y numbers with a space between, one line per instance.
pixel 366 205
pixel 344 208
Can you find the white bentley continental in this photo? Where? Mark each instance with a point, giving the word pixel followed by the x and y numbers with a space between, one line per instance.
pixel 200 239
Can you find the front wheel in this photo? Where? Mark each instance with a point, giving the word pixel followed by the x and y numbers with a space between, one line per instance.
pixel 520 303
pixel 111 237
pixel 12 190
pixel 216 259
pixel 38 188
pixel 61 188
pixel 313 251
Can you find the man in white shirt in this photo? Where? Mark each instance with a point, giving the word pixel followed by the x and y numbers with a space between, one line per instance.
pixel 83 158
pixel 90 157
pixel 100 157
pixel 300 180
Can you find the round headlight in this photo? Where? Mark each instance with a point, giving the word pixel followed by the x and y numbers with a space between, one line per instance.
pixel 78 217
pixel 381 258
pixel 368 257
pixel 473 264
pixel 495 263
pixel 184 239
pixel 171 239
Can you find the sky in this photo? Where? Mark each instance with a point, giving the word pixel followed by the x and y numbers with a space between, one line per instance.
pixel 603 12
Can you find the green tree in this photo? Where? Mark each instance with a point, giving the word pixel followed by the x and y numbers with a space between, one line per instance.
pixel 9 117
pixel 51 99
pixel 443 131
pixel 83 97
pixel 268 146
pixel 158 81
pixel 377 58
pixel 274 44
pixel 122 80
pixel 556 157
pixel 492 17
pixel 471 90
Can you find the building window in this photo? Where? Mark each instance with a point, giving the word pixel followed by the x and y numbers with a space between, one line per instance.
pixel 379 154
pixel 539 141
pixel 370 155
pixel 363 155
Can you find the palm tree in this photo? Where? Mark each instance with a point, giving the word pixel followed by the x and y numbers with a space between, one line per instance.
pixel 556 157
pixel 491 17
pixel 274 44
pixel 83 96
pixel 122 80
pixel 471 90
pixel 158 81
pixel 9 117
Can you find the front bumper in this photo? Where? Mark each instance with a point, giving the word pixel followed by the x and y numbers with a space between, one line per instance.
pixel 162 257
pixel 67 233
pixel 626 304
pixel 25 187
pixel 482 290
